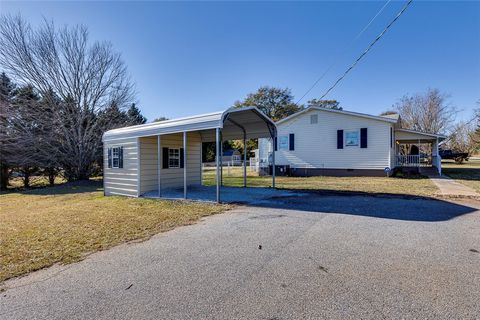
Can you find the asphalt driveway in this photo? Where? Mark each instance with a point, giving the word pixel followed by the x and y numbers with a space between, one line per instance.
pixel 308 257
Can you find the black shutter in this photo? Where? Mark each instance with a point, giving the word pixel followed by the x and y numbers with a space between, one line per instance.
pixel 275 144
pixel 109 157
pixel 120 157
pixel 339 139
pixel 391 137
pixel 363 138
pixel 182 158
pixel 165 158
pixel 291 146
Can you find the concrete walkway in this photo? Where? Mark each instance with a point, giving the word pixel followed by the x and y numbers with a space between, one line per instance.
pixel 450 187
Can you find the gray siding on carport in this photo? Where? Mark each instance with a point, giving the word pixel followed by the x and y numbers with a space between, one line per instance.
pixel 121 181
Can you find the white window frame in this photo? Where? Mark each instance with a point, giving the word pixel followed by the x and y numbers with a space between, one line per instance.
pixel 173 154
pixel 116 157
pixel 313 118
pixel 357 132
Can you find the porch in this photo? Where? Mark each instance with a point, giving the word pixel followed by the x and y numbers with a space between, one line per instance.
pixel 418 151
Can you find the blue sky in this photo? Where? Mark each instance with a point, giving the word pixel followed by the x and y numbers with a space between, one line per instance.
pixel 188 58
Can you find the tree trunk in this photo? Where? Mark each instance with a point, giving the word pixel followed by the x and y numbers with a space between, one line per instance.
pixel 26 177
pixel 3 177
pixel 51 178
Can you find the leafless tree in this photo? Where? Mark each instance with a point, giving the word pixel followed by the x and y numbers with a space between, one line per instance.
pixel 86 77
pixel 428 112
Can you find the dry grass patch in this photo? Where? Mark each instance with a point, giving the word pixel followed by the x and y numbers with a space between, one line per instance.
pixel 62 224
pixel 467 173
pixel 374 185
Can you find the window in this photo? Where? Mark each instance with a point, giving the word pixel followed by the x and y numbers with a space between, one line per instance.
pixel 313 118
pixel 174 158
pixel 351 138
pixel 283 142
pixel 116 157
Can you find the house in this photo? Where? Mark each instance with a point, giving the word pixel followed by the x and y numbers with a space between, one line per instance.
pixel 232 155
pixel 321 141
pixel 154 158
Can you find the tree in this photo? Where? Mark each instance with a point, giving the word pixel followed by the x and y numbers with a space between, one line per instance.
pixel 429 112
pixel 87 77
pixel 462 137
pixel 23 118
pixel 135 116
pixel 276 103
pixel 388 112
pixel 160 119
pixel 329 104
pixel 7 88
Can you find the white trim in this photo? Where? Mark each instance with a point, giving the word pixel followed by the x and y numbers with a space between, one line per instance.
pixel 179 159
pixel 113 157
pixel 440 136
pixel 351 113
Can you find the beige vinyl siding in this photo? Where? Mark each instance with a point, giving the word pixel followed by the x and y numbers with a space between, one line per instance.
pixel 121 181
pixel 316 144
pixel 171 177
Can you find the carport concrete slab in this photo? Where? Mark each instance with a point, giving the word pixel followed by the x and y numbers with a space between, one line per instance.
pixel 227 194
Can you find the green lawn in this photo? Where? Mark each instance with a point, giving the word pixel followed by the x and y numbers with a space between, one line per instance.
pixel 375 185
pixel 62 224
pixel 467 173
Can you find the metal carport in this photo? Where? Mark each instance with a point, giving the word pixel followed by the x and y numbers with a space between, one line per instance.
pixel 234 123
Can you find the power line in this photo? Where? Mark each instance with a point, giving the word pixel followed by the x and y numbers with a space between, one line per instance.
pixel 351 44
pixel 368 48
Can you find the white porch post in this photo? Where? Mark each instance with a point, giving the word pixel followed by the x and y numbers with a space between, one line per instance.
pixel 437 156
pixel 159 166
pixel 184 164
pixel 217 160
pixel 244 160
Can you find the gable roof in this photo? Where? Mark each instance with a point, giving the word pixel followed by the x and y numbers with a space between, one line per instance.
pixel 351 113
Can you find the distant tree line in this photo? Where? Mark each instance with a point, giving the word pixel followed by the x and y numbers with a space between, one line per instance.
pixel 66 92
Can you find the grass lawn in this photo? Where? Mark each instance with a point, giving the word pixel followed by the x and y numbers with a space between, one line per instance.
pixel 62 224
pixel 467 173
pixel 377 185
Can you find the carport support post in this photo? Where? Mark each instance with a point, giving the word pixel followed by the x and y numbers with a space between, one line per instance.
pixel 185 164
pixel 244 160
pixel 217 160
pixel 159 166
pixel 273 159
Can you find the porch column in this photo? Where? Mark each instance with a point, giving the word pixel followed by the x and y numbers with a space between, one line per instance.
pixel 159 166
pixel 244 160
pixel 184 164
pixel 217 161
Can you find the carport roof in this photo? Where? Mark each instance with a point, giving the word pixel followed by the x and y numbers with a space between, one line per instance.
pixel 246 117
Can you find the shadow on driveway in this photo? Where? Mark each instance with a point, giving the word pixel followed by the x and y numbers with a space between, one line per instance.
pixel 385 206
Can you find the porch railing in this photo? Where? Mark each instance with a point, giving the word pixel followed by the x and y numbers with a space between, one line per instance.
pixel 413 161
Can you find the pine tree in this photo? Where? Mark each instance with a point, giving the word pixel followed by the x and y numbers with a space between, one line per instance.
pixel 135 116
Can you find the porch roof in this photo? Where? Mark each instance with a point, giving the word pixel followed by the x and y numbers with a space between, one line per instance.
pixel 234 121
pixel 408 135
